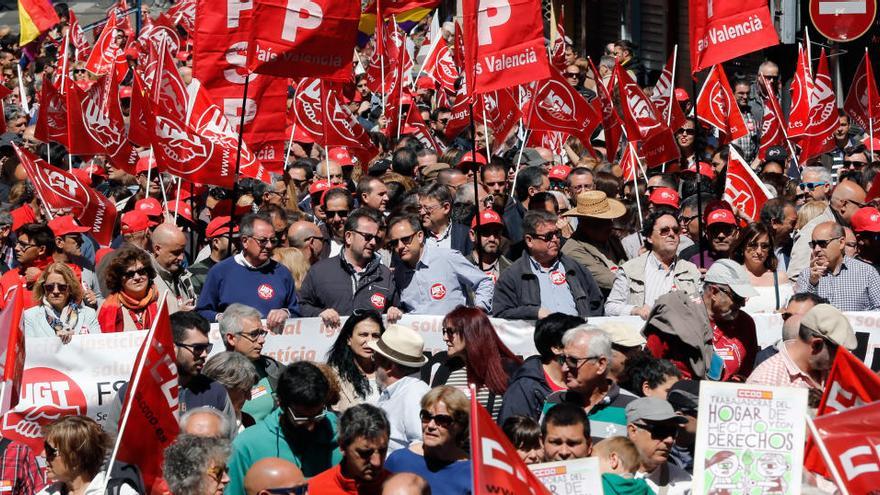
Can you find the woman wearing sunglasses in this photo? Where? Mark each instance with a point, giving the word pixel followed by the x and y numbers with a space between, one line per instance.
pixel 196 465
pixel 132 303
pixel 352 359
pixel 442 457
pixel 59 311
pixel 75 447
pixel 756 254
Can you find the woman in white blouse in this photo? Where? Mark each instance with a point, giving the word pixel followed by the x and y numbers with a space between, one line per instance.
pixel 755 252
pixel 59 311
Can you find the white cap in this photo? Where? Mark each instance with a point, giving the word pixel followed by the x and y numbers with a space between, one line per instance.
pixel 732 274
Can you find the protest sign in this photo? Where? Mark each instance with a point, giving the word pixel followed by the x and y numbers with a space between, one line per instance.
pixel 575 477
pixel 750 438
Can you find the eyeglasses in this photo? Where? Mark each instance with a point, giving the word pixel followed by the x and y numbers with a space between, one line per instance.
pixel 429 209
pixel 665 231
pixel 448 332
pixel 573 362
pixel 51 452
pixel 811 185
pixel 860 205
pixel 291 490
pixel 763 246
pixel 305 419
pixel 263 242
pixel 687 132
pixel 660 431
pixel 573 75
pixel 254 335
pixel 549 236
pixel 140 272
pixel 687 219
pixel 406 240
pixel 24 245
pixel 216 473
pixel 441 420
pixel 337 213
pixel 823 243
pixel 847 163
pixel 53 287
pixel 368 238
pixel 299 183
pixel 318 237
pixel 196 349
pixel 79 71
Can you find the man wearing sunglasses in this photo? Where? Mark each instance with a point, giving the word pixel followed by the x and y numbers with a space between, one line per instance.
pixel 866 225
pixel 726 287
pixel 274 476
pixel 68 249
pixel 653 426
pixel 354 279
pixel 849 284
pixel 33 250
pixel 301 430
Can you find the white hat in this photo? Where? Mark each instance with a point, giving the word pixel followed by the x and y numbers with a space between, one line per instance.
pixel 401 345
pixel 732 274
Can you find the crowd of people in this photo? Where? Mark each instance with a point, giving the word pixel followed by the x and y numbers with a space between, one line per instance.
pixel 482 226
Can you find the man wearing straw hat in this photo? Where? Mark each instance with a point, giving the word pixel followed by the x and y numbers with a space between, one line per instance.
pixel 592 244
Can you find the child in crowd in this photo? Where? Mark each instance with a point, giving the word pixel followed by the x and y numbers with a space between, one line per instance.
pixel 525 434
pixel 618 462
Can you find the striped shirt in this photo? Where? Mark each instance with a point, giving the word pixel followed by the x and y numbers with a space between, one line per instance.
pixel 492 403
pixel 607 418
pixel 855 287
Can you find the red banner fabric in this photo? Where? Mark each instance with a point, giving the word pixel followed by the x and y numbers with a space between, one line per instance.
pixel 801 91
pixel 771 122
pixel 52 118
pixel 852 438
pixel 557 106
pixel 744 190
pixel 663 97
pixel 12 336
pixel 720 31
pixel 440 66
pixel 819 137
pixel 863 100
pixel 716 106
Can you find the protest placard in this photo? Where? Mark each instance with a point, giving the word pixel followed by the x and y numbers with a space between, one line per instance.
pixel 750 439
pixel 575 477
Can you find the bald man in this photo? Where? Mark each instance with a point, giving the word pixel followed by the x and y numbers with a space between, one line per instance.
pixel 846 199
pixel 308 238
pixel 405 484
pixel 546 155
pixel 335 176
pixel 205 421
pixel 168 243
pixel 273 473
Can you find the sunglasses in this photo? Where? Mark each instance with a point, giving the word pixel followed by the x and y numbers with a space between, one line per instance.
pixel 687 132
pixel 549 236
pixel 687 219
pixel 659 431
pixel 393 243
pixel 291 490
pixel 196 349
pixel 763 246
pixel 337 213
pixel 54 287
pixel 441 420
pixel 368 238
pixel 216 473
pixel 573 362
pixel 262 242
pixel 847 163
pixel 51 452
pixel 140 272
pixel 822 243
pixel 669 230
pixel 811 185
pixel 305 419
pixel 576 75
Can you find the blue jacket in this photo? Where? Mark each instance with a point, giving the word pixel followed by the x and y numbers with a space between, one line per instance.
pixel 265 288
pixel 526 393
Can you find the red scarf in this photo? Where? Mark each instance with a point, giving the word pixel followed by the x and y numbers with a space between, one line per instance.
pixel 142 311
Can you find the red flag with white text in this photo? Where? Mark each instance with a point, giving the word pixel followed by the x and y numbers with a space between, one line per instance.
pixel 415 126
pixel 663 96
pixel 440 66
pixel 52 118
pixel 611 125
pixel 629 163
pixel 61 190
pixel 12 340
pixel 720 31
pixel 557 40
pixel 801 96
pixel 863 100
pixel 557 106
pixel 498 110
pixel 852 438
pixel 823 121
pixel 105 54
pixel 496 465
pixel 183 13
pixel 642 122
pixel 716 106
pixel 151 408
pixel 504 42
pixel 850 384
pixel 77 38
pixel 744 190
pixel 314 38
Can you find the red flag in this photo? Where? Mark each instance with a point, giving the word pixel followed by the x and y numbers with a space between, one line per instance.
pixel 611 125
pixel 440 66
pixel 557 106
pixel 557 41
pixel 819 137
pixel 13 338
pixel 744 190
pixel 106 52
pixel 643 122
pixel 852 438
pixel 771 123
pixel 4 92
pixel 157 32
pixel 297 39
pixel 77 38
pixel 52 118
pixel 717 107
pixel 504 41
pixel 552 140
pixel 720 31
pixel 663 96
pixel 341 127
pixel 138 124
pixel 415 126
pixel 183 13
pixel 461 111
pixel 863 100
pixel 849 384
pixel 498 110
pixel 629 163
pixel 497 468
pixel 801 91
pixel 308 108
pixel 61 190
pixel 148 422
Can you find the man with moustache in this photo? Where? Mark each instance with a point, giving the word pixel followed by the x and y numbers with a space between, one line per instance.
pixel 491 236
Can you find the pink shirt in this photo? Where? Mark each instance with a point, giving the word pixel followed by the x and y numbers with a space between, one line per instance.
pixel 781 370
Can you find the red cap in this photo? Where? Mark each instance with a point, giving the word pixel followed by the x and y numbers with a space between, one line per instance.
pixel 319 187
pixel 559 172
pixel 134 221
pixel 144 163
pixel 866 219
pixel 83 176
pixel 64 225
pixel 471 157
pixel 149 207
pixel 705 170
pixel 182 208
pixel 341 156
pixel 95 169
pixel 125 91
pixel 721 215
pixel 425 82
pixel 487 217
pixel 664 196
pixel 681 94
pixel 218 227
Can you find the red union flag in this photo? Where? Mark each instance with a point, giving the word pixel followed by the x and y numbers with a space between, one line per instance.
pixel 106 54
pixel 61 190
pixel 556 106
pixel 801 94
pixel 629 163
pixel 12 340
pixel 852 438
pixel 863 100
pixel 611 125
pixel 183 13
pixel 663 96
pixel 497 468
pixel 717 107
pixel 771 123
pixel 499 111
pixel 148 422
pixel 52 118
pixel 722 30
pixel 341 127
pixel 850 384
pixel 819 137
pixel 440 66
pixel 308 108
pixel 504 40
pixel 744 190
pixel 297 38
pixel 639 117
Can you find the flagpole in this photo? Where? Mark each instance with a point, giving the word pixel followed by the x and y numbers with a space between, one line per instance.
pixel 698 176
pixel 66 58
pixel 431 48
pixel 21 92
pixel 399 81
pixel 476 168
pixel 177 198
pixel 671 90
pixel 870 117
pixel 244 93
pixel 825 455
pixel 380 41
pixel 132 389
pixel 48 154
pixel 149 173
pixel 485 130
pixel 289 144
pixel 635 174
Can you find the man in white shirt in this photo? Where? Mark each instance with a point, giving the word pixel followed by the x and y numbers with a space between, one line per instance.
pixel 652 425
pixel 399 354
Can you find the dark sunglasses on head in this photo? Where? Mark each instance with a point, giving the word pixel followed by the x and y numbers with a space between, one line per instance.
pixel 140 272
pixel 393 243
pixel 442 420
pixel 822 243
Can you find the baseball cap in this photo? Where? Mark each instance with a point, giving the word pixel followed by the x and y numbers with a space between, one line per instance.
pixel 706 170
pixel 866 219
pixel 828 321
pixel 95 169
pixel 721 215
pixel 681 94
pixel 134 221
pixel 653 410
pixel 219 226
pixel 664 196
pixel 379 167
pixel 684 395
pixel 341 156
pixel 559 172
pixel 424 82
pixel 531 157
pixel 182 208
pixel 64 225
pixel 776 154
pixel 471 157
pixel 143 164
pixel 487 217
pixel 732 274
pixel 149 207
pixel 623 334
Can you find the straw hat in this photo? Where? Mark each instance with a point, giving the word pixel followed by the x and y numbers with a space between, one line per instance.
pixel 596 204
pixel 400 344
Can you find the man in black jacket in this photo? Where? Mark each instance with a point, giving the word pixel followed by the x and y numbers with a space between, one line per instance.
pixel 545 281
pixel 355 279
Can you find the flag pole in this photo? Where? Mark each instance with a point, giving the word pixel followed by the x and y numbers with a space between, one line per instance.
pixel 632 151
pixel 672 89
pixel 698 176
pixel 132 389
pixel 476 168
pixel 825 455
pixel 66 58
pixel 431 48
pixel 485 130
pixel 289 144
pixel 22 93
pixel 870 117
pixel 234 201
pixel 177 198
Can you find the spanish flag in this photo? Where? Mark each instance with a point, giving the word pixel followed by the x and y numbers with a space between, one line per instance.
pixel 407 13
pixel 36 17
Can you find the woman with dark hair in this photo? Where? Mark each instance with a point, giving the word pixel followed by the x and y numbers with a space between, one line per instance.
pixel 352 359
pixel 755 252
pixel 647 376
pixel 525 435
pixel 133 300
pixel 486 362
